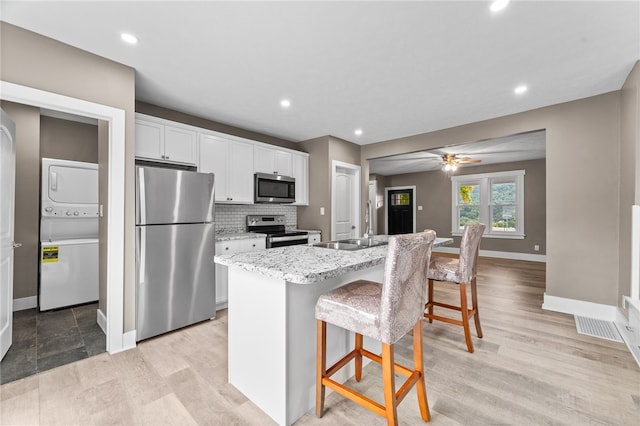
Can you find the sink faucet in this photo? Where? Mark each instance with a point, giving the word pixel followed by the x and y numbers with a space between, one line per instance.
pixel 367 220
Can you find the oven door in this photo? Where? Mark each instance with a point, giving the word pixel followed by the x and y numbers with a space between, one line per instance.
pixel 291 240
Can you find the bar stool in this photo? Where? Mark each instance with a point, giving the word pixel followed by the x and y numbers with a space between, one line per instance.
pixel 384 312
pixel 461 271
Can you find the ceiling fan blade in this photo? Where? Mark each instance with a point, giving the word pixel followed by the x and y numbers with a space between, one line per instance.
pixel 467 160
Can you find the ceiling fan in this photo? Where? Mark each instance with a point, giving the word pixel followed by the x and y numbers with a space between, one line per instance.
pixel 450 162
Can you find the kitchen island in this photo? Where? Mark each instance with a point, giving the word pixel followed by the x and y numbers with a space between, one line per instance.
pixel 272 327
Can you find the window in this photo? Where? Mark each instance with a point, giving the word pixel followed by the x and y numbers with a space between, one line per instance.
pixel 495 199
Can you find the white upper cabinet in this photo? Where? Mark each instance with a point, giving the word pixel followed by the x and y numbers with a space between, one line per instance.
pixel 274 161
pixel 232 163
pixel 300 171
pixel 157 141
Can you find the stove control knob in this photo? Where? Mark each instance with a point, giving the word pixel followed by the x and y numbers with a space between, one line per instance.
pixel 76 213
pixel 68 213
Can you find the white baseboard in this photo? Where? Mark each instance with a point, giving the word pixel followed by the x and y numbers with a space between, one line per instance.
pixel 102 321
pixel 580 308
pixel 498 254
pixel 25 303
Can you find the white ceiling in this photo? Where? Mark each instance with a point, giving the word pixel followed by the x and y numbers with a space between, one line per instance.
pixel 520 147
pixel 393 69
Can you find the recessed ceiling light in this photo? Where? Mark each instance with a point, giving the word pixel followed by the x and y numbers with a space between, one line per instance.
pixel 129 38
pixel 498 5
pixel 285 103
pixel 358 132
pixel 520 89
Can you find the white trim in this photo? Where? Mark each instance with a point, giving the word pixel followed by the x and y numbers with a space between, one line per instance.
pixel 25 303
pixel 128 340
pixel 580 308
pixel 386 203
pixel 497 254
pixel 102 321
pixel 484 182
pixel 115 231
pixel 335 164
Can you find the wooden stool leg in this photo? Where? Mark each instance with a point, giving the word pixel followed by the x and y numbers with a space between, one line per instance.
pixel 430 309
pixel 474 301
pixel 465 316
pixel 321 365
pixel 418 365
pixel 389 384
pixel 358 358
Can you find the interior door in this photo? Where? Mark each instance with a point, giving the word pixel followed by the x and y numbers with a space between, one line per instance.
pixel 343 209
pixel 400 211
pixel 7 201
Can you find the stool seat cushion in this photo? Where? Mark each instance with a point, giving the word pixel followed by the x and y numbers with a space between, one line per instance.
pixel 445 269
pixel 354 306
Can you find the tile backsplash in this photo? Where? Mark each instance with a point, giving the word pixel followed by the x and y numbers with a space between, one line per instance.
pixel 232 217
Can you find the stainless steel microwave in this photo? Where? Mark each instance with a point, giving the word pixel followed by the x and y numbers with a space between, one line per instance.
pixel 274 189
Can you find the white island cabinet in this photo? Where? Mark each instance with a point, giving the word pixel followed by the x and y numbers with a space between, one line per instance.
pixel 232 244
pixel 272 326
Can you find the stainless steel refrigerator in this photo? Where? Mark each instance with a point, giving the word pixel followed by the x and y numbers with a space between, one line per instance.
pixel 175 245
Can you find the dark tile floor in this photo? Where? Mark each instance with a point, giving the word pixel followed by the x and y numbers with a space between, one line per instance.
pixel 44 340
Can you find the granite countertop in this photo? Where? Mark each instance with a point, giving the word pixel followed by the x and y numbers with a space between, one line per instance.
pixel 228 236
pixel 302 264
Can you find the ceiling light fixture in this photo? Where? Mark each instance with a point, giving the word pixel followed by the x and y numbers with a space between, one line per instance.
pixel 358 132
pixel 498 5
pixel 129 38
pixel 520 89
pixel 285 103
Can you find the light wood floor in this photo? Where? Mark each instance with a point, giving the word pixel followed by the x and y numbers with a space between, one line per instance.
pixel 531 367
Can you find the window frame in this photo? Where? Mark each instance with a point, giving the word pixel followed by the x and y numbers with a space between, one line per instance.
pixel 484 182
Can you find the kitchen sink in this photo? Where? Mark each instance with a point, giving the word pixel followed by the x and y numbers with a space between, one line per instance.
pixel 354 243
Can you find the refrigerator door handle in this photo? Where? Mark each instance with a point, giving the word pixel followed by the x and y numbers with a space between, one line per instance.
pixel 142 207
pixel 142 244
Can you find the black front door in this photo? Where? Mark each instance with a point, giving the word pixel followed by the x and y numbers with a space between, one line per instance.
pixel 400 211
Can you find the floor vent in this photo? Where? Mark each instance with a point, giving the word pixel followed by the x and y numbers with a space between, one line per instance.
pixel 598 328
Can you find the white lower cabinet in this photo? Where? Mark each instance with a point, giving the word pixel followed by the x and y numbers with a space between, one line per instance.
pixel 232 247
pixel 314 238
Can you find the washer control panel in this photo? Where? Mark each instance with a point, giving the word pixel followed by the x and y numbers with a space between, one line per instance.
pixel 70 211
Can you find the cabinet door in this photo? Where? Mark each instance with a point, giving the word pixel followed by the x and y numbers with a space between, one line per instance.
pixel 180 145
pixel 300 171
pixel 314 238
pixel 283 163
pixel 240 173
pixel 265 160
pixel 149 140
pixel 214 154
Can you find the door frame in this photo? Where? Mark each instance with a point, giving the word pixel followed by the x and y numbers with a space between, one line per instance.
pixel 386 208
pixel 115 210
pixel 335 165
pixel 373 206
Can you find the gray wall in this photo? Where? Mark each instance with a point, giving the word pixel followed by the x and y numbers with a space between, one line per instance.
pixel 32 60
pixel 169 114
pixel 582 194
pixel 629 173
pixel 68 140
pixel 322 151
pixel 433 193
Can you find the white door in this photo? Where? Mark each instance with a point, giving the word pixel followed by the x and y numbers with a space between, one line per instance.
pixel 7 201
pixel 345 200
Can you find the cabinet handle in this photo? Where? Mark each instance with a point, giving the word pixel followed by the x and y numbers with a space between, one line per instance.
pixel 167 157
pixel 275 173
pixel 226 248
pixel 254 245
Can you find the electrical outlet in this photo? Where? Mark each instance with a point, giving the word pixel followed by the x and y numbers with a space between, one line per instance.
pixel 419 208
pixel 536 247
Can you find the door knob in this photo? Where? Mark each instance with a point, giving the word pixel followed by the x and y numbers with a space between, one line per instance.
pixel 16 245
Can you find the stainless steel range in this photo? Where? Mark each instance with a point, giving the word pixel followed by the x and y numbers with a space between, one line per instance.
pixel 274 227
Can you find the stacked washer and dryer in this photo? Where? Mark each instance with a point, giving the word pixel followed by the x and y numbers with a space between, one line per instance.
pixel 68 233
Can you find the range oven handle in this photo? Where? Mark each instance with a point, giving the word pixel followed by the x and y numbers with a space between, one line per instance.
pixel 288 238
